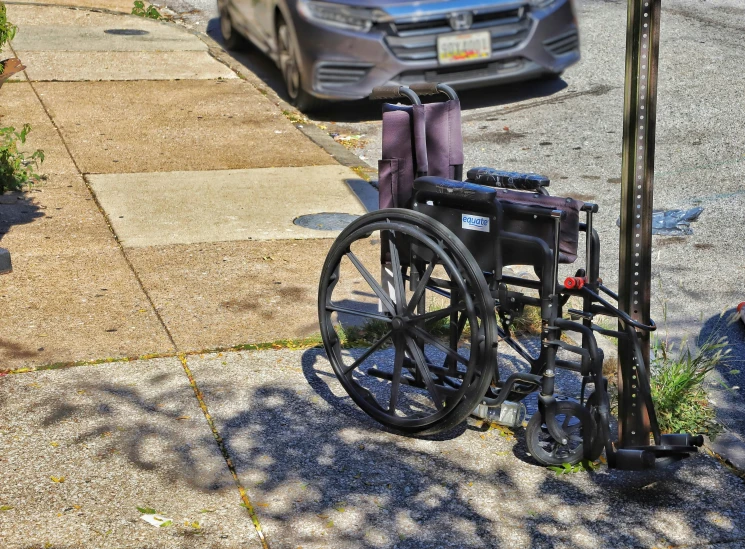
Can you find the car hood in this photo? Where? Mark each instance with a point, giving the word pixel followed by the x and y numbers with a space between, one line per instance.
pixel 407 7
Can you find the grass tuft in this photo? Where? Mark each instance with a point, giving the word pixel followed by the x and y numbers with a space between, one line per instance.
pixel 677 385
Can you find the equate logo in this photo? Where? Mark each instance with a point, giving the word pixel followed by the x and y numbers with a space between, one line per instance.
pixel 475 223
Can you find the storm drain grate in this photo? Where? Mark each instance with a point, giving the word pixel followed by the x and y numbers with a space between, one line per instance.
pixel 326 221
pixel 127 32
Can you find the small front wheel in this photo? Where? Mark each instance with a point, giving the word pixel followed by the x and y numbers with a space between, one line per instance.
pixel 548 451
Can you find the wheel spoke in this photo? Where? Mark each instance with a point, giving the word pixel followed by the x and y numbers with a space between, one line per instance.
pixel 397 373
pixel 356 312
pixel 424 371
pixel 437 315
pixel 373 283
pixel 366 354
pixel 439 346
pixel 419 291
pixel 398 281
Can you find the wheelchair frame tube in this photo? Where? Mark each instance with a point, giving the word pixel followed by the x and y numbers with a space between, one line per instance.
pixel 635 251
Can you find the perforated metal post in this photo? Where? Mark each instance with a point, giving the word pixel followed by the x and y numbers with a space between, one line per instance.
pixel 635 255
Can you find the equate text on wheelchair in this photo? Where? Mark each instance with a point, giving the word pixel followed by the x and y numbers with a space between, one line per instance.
pixel 425 277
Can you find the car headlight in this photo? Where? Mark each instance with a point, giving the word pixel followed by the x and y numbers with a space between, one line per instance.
pixel 540 4
pixel 341 15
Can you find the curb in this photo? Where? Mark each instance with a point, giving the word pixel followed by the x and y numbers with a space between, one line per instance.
pixel 730 449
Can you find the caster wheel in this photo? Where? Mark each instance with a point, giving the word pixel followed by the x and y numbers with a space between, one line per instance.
pixel 548 451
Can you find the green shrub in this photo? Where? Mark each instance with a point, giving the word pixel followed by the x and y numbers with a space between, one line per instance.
pixel 7 30
pixel 677 385
pixel 151 12
pixel 17 170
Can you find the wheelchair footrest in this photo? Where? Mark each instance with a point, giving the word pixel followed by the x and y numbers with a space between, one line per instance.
pixel 647 457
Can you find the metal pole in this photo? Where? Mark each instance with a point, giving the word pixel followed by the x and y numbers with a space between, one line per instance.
pixel 637 179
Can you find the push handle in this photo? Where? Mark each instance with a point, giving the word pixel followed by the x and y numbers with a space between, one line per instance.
pixel 394 92
pixel 430 88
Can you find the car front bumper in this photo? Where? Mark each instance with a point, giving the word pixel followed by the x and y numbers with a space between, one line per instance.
pixel 339 64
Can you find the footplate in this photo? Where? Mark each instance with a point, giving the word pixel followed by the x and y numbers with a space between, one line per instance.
pixel 675 446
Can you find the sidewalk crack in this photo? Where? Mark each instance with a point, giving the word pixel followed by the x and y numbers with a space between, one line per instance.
pixel 224 451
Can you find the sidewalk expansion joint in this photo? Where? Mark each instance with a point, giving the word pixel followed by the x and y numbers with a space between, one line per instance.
pixel 246 502
pixel 291 344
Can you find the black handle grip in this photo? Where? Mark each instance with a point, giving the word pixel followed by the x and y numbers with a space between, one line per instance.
pixel 385 92
pixel 394 92
pixel 430 88
pixel 425 88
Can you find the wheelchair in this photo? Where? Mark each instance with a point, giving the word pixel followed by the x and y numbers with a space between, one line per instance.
pixel 415 297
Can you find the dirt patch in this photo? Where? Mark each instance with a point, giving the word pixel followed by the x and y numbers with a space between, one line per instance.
pixel 703 246
pixel 582 197
pixel 614 180
pixel 498 137
pixel 669 241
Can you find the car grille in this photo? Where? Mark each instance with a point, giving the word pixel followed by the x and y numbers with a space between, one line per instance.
pixel 564 43
pixel 417 40
pixel 457 74
pixel 336 75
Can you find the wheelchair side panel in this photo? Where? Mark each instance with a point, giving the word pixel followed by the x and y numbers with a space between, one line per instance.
pixel 475 229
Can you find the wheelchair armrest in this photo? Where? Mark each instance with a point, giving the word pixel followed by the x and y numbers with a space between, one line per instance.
pixel 533 210
pixel 508 180
pixel 439 187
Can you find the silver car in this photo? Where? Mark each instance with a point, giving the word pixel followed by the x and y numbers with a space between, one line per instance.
pixel 342 49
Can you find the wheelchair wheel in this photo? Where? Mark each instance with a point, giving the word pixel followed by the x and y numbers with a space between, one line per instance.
pixel 412 341
pixel 548 451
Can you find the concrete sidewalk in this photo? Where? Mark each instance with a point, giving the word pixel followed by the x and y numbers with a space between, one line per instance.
pixel 166 168
pixel 317 471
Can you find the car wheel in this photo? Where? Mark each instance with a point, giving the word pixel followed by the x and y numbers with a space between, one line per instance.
pixel 288 64
pixel 233 39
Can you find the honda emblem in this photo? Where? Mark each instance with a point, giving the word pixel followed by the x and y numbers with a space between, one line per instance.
pixel 461 20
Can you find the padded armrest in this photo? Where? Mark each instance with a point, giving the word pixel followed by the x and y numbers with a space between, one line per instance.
pixel 508 180
pixel 455 189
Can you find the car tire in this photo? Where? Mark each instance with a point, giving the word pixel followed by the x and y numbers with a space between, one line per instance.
pixel 232 38
pixel 288 65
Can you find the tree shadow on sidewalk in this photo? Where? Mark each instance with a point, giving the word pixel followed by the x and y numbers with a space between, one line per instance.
pixel 17 209
pixel 319 471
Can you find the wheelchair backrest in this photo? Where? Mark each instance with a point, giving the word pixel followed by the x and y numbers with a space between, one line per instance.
pixel 418 140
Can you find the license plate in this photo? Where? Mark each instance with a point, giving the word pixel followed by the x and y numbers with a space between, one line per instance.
pixel 456 48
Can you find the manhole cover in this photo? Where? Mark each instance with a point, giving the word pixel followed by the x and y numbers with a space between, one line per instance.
pixel 325 221
pixel 127 32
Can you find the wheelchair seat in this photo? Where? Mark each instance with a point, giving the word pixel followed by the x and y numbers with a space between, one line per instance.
pixel 569 231
pixel 480 198
pixel 509 180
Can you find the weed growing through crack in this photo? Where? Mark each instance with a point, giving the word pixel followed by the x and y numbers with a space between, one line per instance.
pixel 677 385
pixel 16 169
pixel 151 12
